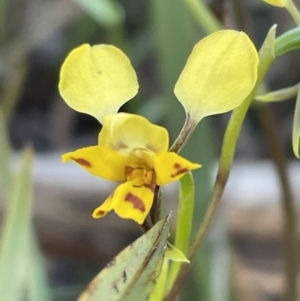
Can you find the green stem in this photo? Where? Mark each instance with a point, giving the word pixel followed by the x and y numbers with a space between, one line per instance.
pixel 156 207
pixel 276 150
pixel 287 42
pixel 203 15
pixel 226 159
pixel 185 134
pixel 292 9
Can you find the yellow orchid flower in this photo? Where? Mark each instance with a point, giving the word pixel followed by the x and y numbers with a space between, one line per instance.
pixel 98 80
pixel 134 151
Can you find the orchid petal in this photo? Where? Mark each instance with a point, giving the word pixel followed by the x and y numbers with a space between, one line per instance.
pixel 128 202
pixel 97 80
pixel 125 132
pixel 169 167
pixel 219 74
pixel 99 161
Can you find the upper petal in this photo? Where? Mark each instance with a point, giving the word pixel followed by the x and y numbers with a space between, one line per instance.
pixel 220 72
pixel 99 161
pixel 125 132
pixel 169 167
pixel 97 80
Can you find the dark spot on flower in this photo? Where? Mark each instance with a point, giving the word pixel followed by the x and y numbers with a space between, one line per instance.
pixel 136 201
pixel 179 170
pixel 100 213
pixel 82 162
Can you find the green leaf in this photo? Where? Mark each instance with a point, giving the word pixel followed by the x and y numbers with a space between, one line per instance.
pixel 266 53
pixel 185 212
pixel 37 272
pixel 105 12
pixel 174 254
pixel 296 128
pixel 184 221
pixel 131 275
pixel 288 42
pixel 279 95
pixel 14 244
pixel 160 287
pixel 5 156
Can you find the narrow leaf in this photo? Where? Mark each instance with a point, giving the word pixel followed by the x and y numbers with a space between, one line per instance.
pixel 131 275
pixel 15 236
pixel 174 254
pixel 5 156
pixel 279 95
pixel 37 272
pixel 266 53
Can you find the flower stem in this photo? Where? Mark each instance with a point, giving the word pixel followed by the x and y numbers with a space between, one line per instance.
pixel 292 9
pixel 276 150
pixel 156 207
pixel 185 134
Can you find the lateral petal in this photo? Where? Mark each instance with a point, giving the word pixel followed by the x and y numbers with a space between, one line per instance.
pixel 99 161
pixel 170 167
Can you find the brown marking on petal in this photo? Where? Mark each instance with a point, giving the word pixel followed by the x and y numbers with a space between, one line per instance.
pixel 136 201
pixel 82 162
pixel 179 170
pixel 100 213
